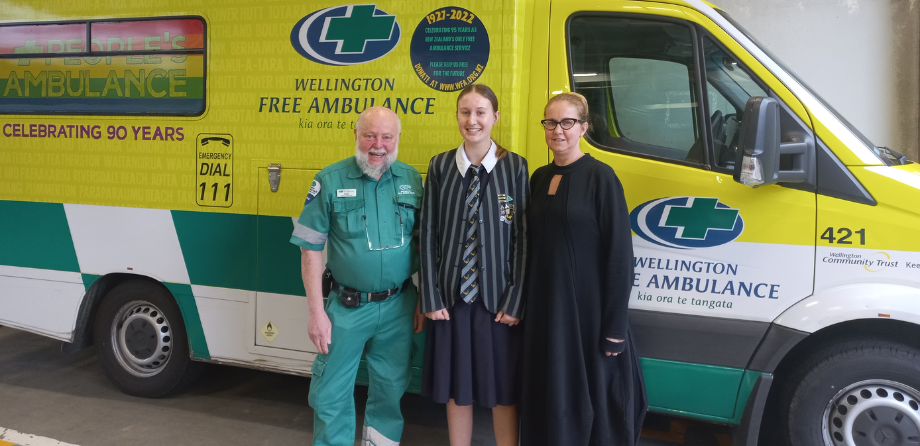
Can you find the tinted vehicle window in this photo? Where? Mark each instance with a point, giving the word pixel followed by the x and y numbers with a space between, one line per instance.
pixel 640 82
pixel 728 88
pixel 145 67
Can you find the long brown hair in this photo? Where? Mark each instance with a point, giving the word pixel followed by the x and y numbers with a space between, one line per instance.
pixel 486 92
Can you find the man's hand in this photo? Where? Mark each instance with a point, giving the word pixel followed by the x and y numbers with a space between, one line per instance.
pixel 419 323
pixel 440 315
pixel 320 330
pixel 506 319
pixel 318 327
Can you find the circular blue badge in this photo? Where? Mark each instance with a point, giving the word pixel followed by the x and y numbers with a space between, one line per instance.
pixel 450 49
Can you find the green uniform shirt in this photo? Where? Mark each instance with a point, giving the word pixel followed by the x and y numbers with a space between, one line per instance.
pixel 370 224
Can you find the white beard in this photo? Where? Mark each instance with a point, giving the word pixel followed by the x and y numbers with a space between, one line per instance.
pixel 374 171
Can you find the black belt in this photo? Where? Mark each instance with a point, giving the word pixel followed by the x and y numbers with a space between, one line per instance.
pixel 351 295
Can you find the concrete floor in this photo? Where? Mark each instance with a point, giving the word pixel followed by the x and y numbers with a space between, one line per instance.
pixel 66 397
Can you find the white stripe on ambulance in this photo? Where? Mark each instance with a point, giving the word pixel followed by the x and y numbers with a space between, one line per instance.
pixel 111 239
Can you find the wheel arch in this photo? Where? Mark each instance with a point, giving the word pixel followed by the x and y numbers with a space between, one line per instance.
pixel 86 315
pixel 852 302
pixel 888 329
pixel 876 328
pixel 880 310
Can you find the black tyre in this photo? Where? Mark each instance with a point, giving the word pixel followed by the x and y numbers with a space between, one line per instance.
pixel 141 342
pixel 854 393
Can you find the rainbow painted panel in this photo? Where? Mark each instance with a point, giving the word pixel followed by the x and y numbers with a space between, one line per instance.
pixel 149 35
pixel 133 67
pixel 51 38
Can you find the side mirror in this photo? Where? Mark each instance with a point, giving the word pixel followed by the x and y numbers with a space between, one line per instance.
pixel 757 160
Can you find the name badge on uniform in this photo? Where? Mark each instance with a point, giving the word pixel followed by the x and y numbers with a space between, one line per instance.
pixel 346 193
pixel 505 208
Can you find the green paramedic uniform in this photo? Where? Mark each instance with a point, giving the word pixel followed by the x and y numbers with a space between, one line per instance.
pixel 371 230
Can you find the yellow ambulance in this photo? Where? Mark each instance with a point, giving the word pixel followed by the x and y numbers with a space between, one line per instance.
pixel 153 156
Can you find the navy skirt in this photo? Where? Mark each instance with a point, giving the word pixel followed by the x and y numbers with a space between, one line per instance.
pixel 471 358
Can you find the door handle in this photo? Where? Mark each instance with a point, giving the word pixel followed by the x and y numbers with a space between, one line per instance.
pixel 274 175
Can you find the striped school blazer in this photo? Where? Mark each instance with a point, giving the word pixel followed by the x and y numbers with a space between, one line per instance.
pixel 503 234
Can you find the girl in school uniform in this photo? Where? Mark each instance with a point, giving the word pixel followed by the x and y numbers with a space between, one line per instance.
pixel 473 252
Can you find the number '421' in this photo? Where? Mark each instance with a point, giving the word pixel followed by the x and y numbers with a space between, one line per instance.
pixel 843 236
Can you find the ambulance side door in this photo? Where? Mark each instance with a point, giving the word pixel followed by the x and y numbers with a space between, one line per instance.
pixel 715 261
pixel 280 311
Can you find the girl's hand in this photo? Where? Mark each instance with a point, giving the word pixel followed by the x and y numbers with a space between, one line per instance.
pixel 506 319
pixel 613 340
pixel 440 315
pixel 418 322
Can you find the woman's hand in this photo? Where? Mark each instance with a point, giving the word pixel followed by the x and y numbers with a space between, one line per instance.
pixel 613 340
pixel 440 315
pixel 506 319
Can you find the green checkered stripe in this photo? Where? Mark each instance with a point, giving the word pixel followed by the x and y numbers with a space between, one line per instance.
pixel 219 251
pixel 235 251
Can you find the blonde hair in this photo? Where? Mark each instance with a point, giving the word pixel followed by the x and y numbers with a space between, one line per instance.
pixel 486 92
pixel 574 99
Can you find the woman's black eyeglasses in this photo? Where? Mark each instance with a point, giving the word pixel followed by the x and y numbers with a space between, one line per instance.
pixel 567 123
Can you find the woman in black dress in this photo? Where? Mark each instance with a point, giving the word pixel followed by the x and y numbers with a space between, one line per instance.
pixel 582 382
pixel 472 269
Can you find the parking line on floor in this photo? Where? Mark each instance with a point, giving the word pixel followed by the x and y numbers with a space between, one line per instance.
pixel 9 437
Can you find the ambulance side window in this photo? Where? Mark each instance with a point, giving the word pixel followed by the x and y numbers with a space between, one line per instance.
pixel 145 66
pixel 652 103
pixel 728 88
pixel 641 82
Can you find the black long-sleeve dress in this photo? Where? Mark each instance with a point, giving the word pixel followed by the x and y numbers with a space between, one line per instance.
pixel 579 280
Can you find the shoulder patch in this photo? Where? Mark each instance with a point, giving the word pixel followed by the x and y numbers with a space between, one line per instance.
pixel 314 191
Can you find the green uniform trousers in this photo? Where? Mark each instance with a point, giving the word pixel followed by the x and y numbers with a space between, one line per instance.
pixel 383 331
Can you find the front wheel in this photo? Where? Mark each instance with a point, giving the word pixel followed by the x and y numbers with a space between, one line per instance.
pixel 855 393
pixel 141 342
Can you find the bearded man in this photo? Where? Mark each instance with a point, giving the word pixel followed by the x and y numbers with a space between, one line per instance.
pixel 367 208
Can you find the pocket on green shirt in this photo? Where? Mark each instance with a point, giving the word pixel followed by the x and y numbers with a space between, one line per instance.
pixel 349 216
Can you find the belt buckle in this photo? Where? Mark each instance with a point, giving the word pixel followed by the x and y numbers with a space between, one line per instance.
pixel 381 296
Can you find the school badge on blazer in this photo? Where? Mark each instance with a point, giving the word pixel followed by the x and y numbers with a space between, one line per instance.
pixel 505 208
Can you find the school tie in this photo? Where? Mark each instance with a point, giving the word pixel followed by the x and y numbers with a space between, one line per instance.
pixel 470 288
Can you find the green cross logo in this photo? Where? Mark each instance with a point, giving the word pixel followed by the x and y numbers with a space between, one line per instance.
pixel 356 28
pixel 699 216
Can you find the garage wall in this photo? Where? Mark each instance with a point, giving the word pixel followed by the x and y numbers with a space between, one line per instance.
pixel 861 56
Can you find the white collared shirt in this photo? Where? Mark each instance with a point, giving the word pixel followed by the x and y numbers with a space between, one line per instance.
pixel 463 163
